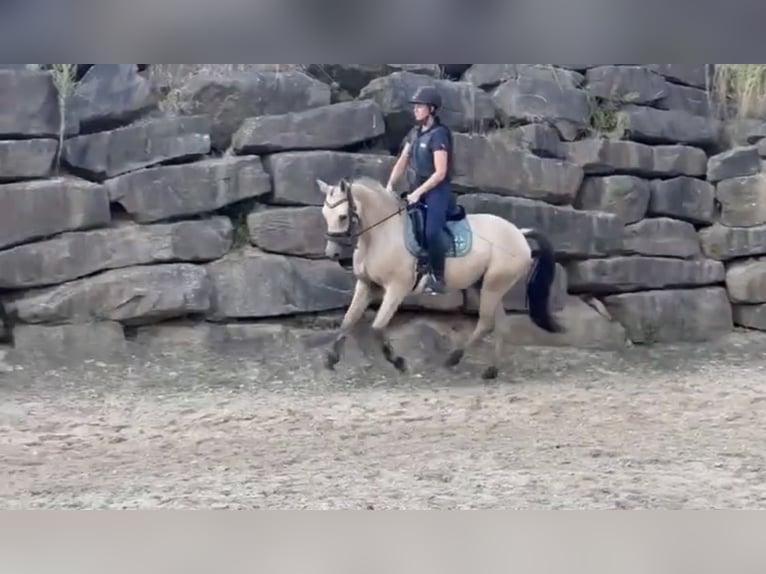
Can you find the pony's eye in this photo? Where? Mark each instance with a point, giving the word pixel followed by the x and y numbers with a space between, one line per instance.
pixel 343 217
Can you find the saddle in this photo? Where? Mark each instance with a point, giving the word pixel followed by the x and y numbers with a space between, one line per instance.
pixel 457 231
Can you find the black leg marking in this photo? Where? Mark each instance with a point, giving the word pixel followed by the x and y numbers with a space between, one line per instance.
pixel 388 352
pixel 454 358
pixel 332 357
pixel 490 373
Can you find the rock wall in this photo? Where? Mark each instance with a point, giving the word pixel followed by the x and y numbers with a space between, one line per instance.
pixel 205 219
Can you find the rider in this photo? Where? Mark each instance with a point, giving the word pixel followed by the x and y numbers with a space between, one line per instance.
pixel 427 153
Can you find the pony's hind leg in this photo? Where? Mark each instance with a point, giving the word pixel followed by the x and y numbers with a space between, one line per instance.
pixel 501 332
pixel 488 303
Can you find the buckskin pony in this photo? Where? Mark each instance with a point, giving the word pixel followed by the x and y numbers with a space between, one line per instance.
pixel 487 253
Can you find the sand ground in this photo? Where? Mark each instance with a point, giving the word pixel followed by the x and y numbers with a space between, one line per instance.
pixel 671 427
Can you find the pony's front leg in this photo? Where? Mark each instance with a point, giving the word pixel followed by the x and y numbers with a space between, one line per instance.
pixel 359 303
pixel 392 298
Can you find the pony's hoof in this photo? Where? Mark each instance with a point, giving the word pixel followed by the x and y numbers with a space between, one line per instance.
pixel 490 373
pixel 454 358
pixel 331 359
pixel 400 364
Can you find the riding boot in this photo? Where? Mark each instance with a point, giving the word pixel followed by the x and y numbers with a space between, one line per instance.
pixel 435 284
pixel 437 202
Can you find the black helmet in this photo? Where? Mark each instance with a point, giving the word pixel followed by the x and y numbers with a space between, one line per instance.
pixel 427 95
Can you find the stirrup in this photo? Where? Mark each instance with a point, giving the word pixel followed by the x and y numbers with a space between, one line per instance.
pixel 434 286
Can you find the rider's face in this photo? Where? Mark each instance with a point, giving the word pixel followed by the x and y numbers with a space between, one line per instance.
pixel 421 112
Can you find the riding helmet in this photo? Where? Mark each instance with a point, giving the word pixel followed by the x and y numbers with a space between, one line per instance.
pixel 427 95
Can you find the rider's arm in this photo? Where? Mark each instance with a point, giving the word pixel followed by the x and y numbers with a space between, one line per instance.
pixel 399 166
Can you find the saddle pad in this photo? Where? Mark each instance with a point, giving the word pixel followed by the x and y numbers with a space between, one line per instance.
pixel 457 236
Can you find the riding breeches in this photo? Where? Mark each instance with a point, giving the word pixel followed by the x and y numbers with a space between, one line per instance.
pixel 436 203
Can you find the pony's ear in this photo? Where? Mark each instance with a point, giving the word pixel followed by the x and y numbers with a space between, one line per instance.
pixel 323 187
pixel 345 186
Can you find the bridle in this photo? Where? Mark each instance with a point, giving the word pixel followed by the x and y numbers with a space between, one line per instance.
pixel 352 232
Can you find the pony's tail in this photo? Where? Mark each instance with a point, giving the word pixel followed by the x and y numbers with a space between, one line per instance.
pixel 539 283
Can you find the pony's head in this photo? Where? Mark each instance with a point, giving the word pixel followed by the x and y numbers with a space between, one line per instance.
pixel 342 219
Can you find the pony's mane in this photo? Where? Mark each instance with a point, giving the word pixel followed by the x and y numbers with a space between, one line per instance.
pixel 372 187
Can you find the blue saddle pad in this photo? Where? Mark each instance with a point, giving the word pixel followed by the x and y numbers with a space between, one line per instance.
pixel 457 235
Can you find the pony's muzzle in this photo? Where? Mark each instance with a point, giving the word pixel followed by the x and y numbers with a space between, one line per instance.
pixel 334 251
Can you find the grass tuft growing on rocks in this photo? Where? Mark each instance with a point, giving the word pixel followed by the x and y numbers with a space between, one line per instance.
pixel 741 87
pixel 64 78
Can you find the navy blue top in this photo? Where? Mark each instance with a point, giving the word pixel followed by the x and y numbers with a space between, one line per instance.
pixel 423 144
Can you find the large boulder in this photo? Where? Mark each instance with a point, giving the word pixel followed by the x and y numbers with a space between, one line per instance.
pixel 489 76
pixel 685 198
pixel 252 284
pixel 289 231
pixel 628 84
pixel 111 95
pixel 738 162
pixel 678 315
pixel 653 127
pixel 746 281
pixel 742 132
pixel 695 75
pixel 26 159
pixel 58 345
pixel 573 233
pixel 234 98
pixel 421 338
pixel 626 196
pixel 354 77
pixel 743 200
pixel 170 191
pixel 80 253
pixel 496 164
pixel 602 156
pixel 539 139
pixel 110 153
pixel 132 296
pixel 327 127
pixel 676 160
pixel 750 316
pixel 725 243
pixel 637 273
pixel 30 106
pixel 36 209
pixel 687 99
pixel 294 174
pixel 662 237
pixel 529 98
pixel 583 327
pixel 465 107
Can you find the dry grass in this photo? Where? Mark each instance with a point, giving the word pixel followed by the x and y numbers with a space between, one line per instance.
pixel 64 79
pixel 741 89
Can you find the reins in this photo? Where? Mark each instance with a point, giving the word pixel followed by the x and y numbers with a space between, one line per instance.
pixel 366 229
